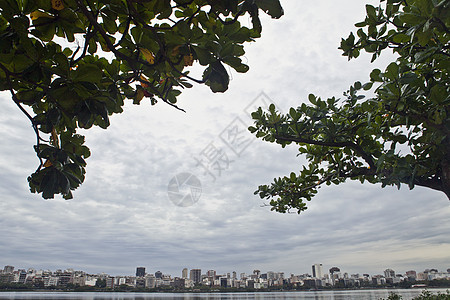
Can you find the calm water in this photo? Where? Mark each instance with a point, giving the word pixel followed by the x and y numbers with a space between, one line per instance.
pixel 310 295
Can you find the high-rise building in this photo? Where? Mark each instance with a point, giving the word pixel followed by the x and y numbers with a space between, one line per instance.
pixel 317 271
pixel 184 273
pixel 140 271
pixel 334 270
pixel 22 276
pixel 211 273
pixel 195 275
pixel 389 273
pixel 158 274
pixel 110 282
pixel 223 282
pixel 8 269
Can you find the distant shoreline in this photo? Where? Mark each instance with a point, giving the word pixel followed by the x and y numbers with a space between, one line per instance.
pixel 216 291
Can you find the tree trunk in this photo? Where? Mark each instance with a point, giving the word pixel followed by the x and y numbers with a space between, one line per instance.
pixel 446 176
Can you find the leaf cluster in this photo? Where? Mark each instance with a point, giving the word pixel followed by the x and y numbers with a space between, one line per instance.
pixel 73 63
pixel 399 136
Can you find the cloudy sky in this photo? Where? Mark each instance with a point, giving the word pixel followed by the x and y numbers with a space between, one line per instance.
pixel 122 216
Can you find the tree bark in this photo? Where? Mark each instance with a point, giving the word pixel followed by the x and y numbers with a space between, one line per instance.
pixel 445 177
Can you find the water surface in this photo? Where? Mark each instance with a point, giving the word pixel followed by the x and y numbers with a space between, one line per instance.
pixel 303 295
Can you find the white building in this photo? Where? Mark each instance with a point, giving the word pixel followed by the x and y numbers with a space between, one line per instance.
pixel 317 271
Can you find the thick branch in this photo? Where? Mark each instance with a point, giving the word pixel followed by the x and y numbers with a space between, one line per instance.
pixel 433 183
pixel 356 147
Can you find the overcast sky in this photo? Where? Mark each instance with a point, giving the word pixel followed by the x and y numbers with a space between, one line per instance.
pixel 122 217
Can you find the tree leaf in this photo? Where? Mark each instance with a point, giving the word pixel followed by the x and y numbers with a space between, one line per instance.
pixel 216 77
pixel 87 72
pixel 271 7
pixel 57 4
pixel 149 57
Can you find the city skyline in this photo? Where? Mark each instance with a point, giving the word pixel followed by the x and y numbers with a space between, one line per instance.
pixel 123 217
pixel 186 272
pixel 195 279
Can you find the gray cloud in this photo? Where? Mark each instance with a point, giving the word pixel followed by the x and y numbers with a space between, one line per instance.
pixel 121 217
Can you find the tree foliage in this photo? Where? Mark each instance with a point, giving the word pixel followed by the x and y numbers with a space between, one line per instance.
pixel 70 64
pixel 398 136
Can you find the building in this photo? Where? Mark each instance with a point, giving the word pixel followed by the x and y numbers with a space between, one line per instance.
pixel 8 269
pixel 317 271
pixel 110 282
pixel 158 274
pixel 224 282
pixel 6 278
pixel 22 276
pixel 140 271
pixel 150 281
pixel 411 275
pixel 51 281
pixel 211 273
pixel 421 276
pixel 65 278
pixel 334 270
pixel 140 282
pixel 178 282
pixel 90 280
pixel 184 273
pixel 196 275
pixel 79 280
pixel 312 283
pixel 389 273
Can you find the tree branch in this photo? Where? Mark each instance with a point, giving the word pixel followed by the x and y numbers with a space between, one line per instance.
pixel 103 33
pixel 89 35
pixel 368 158
pixel 127 27
pixel 33 123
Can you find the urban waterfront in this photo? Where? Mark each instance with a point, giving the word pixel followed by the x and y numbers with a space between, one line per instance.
pixel 195 280
pixel 369 294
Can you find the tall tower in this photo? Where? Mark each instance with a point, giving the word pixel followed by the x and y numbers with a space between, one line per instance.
pixel 317 271
pixel 196 275
pixel 140 271
pixel 184 273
